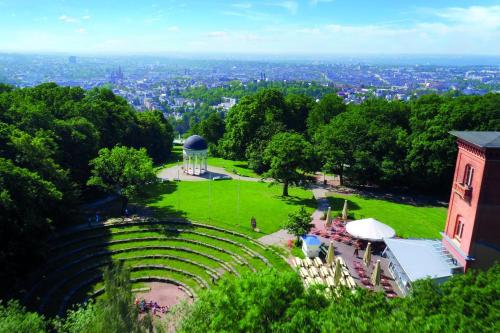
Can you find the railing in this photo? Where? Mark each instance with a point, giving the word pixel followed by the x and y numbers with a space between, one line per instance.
pixel 463 190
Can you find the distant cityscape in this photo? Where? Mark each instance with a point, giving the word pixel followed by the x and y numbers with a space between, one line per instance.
pixel 159 83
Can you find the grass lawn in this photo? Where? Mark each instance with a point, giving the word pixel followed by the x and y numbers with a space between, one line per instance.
pixel 229 204
pixel 409 221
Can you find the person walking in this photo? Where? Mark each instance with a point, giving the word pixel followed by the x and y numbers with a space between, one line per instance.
pixel 356 249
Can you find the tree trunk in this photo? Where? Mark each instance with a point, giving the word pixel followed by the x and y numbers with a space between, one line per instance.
pixel 341 177
pixel 124 204
pixel 285 189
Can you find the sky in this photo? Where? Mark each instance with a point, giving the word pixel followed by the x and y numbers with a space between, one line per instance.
pixel 307 27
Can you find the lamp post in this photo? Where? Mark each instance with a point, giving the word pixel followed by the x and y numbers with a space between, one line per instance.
pixel 209 194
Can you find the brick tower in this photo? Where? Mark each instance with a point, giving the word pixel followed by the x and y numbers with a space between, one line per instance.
pixel 472 232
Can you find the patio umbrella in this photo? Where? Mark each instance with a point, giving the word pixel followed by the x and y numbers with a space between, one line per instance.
pixel 337 274
pixel 370 230
pixel 376 274
pixel 330 256
pixel 367 258
pixel 345 211
pixel 329 217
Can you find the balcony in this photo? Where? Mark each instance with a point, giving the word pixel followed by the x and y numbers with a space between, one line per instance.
pixel 463 190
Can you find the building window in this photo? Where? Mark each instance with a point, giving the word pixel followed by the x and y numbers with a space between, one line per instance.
pixel 459 228
pixel 468 175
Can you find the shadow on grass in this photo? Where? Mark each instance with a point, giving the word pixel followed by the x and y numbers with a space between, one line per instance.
pixel 337 205
pixel 298 201
pixel 152 194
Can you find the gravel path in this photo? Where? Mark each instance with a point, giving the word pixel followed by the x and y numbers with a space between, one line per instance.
pixel 176 172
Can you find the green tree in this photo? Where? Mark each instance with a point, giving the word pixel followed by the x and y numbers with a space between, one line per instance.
pixel 253 303
pixel 299 223
pixel 155 134
pixel 328 107
pixel 118 309
pixel 298 108
pixel 122 170
pixel 289 155
pixel 255 118
pixel 15 318
pixel 212 129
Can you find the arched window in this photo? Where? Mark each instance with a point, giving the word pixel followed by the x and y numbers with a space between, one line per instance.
pixel 459 228
pixel 468 175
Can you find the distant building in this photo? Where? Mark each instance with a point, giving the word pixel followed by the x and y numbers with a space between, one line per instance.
pixel 116 76
pixel 472 232
pixel 72 60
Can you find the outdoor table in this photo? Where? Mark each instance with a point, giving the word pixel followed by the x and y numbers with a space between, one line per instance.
pixel 313 271
pixel 318 280
pixel 298 262
pixel 324 271
pixel 317 262
pixel 330 281
pixel 308 262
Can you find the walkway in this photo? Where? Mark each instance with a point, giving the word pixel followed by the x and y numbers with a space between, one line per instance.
pixel 176 172
pixel 281 237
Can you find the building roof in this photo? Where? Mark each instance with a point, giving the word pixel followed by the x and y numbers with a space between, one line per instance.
pixel 479 139
pixel 420 258
pixel 195 142
pixel 311 240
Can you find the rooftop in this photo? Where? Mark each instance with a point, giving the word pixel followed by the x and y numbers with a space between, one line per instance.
pixel 479 139
pixel 195 142
pixel 420 258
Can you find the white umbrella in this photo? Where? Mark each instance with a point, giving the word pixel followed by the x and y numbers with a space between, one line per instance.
pixel 330 256
pixel 329 217
pixel 345 211
pixel 376 274
pixel 370 229
pixel 367 258
pixel 337 274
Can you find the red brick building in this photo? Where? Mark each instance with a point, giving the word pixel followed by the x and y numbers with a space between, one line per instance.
pixel 472 232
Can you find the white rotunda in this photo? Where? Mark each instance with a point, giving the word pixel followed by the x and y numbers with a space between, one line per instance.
pixel 194 154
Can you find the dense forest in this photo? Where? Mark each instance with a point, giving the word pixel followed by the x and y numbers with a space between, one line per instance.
pixel 48 136
pixel 205 98
pixel 271 301
pixel 382 143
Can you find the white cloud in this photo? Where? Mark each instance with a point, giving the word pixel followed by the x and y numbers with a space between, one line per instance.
pixel 81 30
pixel 291 6
pixel 68 19
pixel 242 5
pixel 173 28
pixel 315 2
pixel 86 17
pixel 483 16
pixel 216 34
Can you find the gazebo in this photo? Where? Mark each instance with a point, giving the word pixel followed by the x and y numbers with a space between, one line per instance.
pixel 194 155
pixel 370 230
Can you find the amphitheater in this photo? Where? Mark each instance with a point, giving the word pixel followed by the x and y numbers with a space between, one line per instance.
pixel 189 255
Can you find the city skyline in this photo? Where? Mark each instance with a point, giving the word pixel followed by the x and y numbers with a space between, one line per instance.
pixel 318 27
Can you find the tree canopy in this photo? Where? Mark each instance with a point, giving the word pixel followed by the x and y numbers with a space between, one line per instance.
pixel 298 223
pixel 289 155
pixel 48 135
pixel 122 170
pixel 268 301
